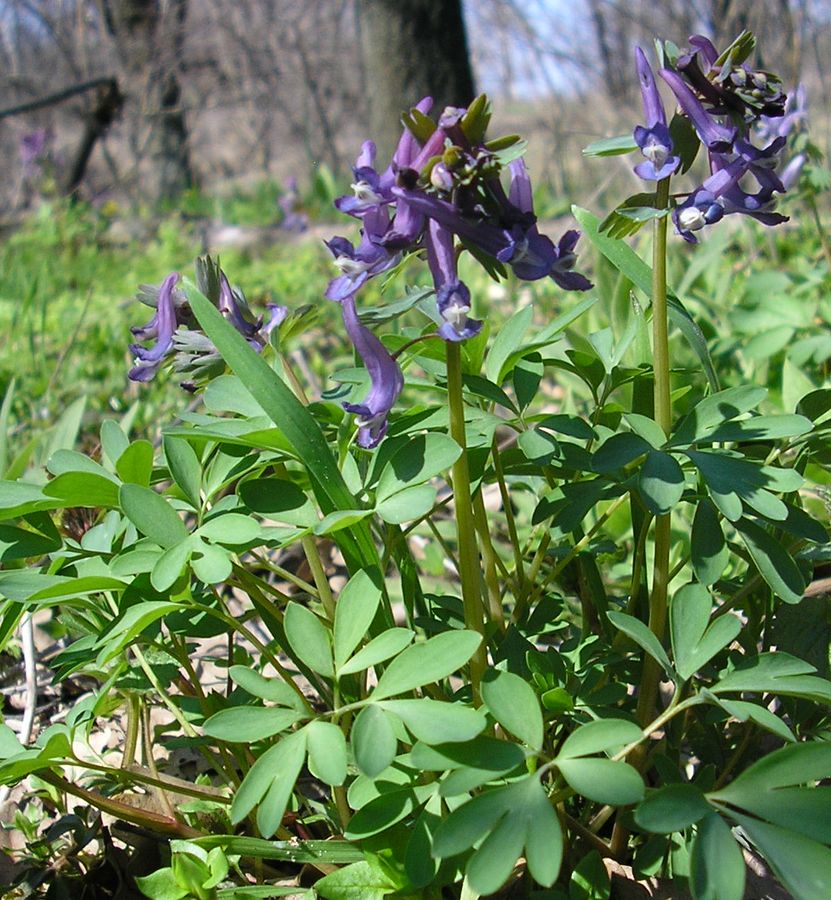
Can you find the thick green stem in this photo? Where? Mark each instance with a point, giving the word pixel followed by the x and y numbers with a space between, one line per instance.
pixel 470 573
pixel 663 416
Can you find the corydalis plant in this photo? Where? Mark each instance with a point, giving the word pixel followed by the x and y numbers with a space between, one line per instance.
pixel 442 192
pixel 175 332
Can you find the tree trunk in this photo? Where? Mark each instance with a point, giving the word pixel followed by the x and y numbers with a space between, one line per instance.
pixel 411 50
pixel 150 40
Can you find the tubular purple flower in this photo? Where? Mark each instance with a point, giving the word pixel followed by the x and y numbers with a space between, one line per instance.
pixel 162 327
pixel 452 295
pixel 277 315
pixel 530 254
pixel 231 308
pixel 385 376
pixel 716 137
pixel 359 264
pixel 654 139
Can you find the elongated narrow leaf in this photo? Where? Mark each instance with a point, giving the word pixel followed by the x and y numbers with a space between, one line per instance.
pixel 294 420
pixel 379 649
pixel 773 561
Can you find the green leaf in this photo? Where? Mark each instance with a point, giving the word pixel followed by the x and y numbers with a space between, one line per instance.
pixel 420 459
pixel 295 422
pixel 230 528
pixel 603 780
pixel 356 607
pixel 435 722
pixel 211 563
pixel 152 515
pixel 343 518
pixel 373 740
pixel 614 146
pixel 309 639
pixel 360 881
pixel 272 689
pixel 717 870
pixel 762 428
pixel 135 465
pixel 802 865
pixel 269 782
pixel 713 411
pixel 380 648
pixel 661 482
pixel 425 663
pixel 642 636
pixel 778 673
pixel 513 703
pixel 170 565
pixel 407 505
pixel 383 812
pixel 707 544
pixel 589 879
pixel 20 543
pixel 693 643
pixel 761 716
pixel 83 489
pixel 327 752
pixel 673 807
pixel 184 467
pixel 162 885
pixel 131 624
pixel 509 339
pixel 628 263
pixel 278 499
pixel 246 724
pixel 599 736
pixel 773 561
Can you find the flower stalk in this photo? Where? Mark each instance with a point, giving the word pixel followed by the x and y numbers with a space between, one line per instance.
pixel 663 417
pixel 469 571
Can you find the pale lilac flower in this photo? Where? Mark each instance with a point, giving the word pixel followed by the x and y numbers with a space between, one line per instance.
pixel 161 327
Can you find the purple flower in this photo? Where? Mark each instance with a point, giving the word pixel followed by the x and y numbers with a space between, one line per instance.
pixel 233 306
pixel 530 254
pixel 452 295
pixel 162 327
pixel 790 175
pixel 358 265
pixel 653 139
pixel 294 219
pixel 721 194
pixel 386 380
pixel 718 138
pixel 174 328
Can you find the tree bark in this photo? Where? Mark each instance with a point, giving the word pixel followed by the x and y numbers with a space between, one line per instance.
pixel 411 50
pixel 150 40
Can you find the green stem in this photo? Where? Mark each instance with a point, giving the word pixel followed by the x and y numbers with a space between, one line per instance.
pixel 470 573
pixel 519 566
pixel 318 573
pixel 823 236
pixel 663 416
pixel 489 558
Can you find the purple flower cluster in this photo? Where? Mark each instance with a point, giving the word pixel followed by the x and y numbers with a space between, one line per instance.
pixel 175 332
pixel 442 184
pixel 723 101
